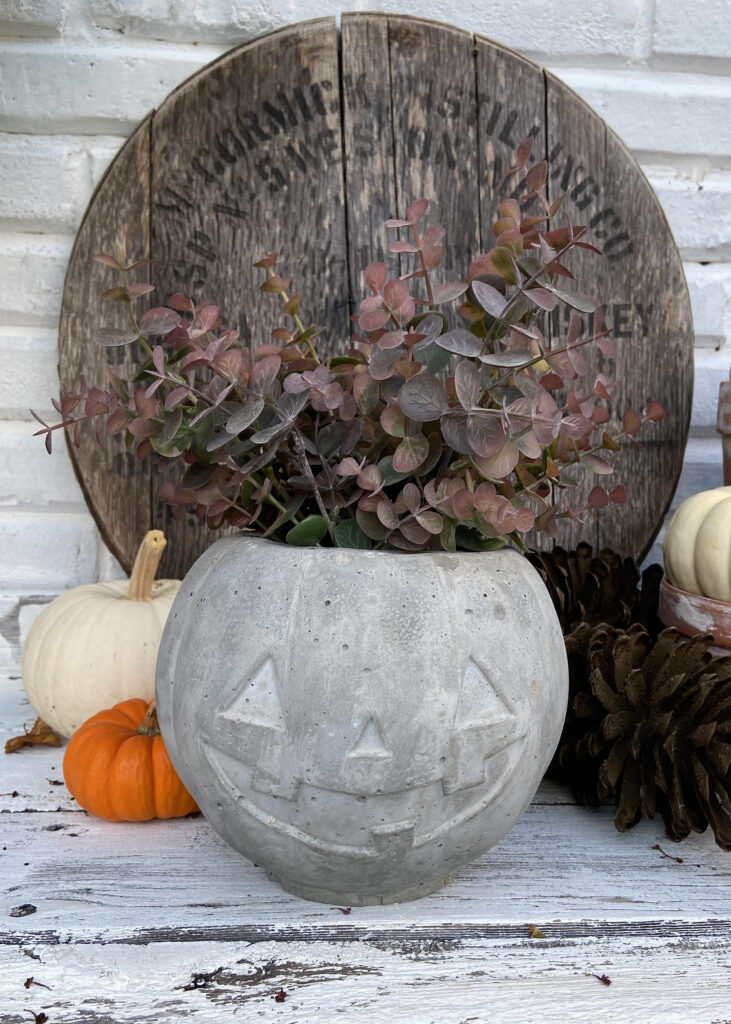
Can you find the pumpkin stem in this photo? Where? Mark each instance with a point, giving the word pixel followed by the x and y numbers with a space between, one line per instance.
pixel 145 567
pixel 149 725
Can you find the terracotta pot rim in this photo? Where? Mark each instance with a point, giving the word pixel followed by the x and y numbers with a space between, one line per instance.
pixel 676 608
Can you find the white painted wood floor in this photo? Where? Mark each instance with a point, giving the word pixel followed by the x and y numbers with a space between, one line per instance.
pixel 164 922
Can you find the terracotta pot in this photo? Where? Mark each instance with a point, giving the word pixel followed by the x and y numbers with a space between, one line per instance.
pixel 692 614
pixel 361 723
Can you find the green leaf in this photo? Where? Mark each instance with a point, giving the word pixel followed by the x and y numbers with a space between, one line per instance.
pixel 388 473
pixel 307 533
pixel 349 535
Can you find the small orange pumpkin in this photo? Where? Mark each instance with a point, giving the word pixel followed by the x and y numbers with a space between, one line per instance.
pixel 117 767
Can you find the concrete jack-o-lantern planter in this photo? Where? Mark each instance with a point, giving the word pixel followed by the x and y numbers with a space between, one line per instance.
pixel 361 723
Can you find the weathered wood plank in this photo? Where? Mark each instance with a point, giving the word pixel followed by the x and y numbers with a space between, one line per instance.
pixel 178 881
pixel 410 981
pixel 511 106
pixel 246 158
pixel 368 144
pixel 640 280
pixel 435 131
pixel 115 484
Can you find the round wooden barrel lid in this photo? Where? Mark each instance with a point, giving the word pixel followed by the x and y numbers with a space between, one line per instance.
pixel 303 142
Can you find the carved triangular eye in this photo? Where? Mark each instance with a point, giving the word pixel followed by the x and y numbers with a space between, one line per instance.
pixel 369 743
pixel 257 702
pixel 479 702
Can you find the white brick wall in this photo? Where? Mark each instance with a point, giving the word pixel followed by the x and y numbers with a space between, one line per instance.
pixel 77 75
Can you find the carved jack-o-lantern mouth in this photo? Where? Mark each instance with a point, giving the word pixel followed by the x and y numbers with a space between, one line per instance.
pixel 272 775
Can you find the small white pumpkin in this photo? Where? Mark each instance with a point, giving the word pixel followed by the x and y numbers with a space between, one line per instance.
pixel 96 645
pixel 697 546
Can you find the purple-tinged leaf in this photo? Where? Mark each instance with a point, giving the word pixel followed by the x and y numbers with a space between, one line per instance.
pixel 244 416
pixel 371 302
pixel 542 298
pixel 112 337
pixel 409 499
pixel 598 498
pixel 370 524
pixel 607 347
pixel 462 504
pixel 139 263
pixel 159 320
pixel 264 374
pixel 454 426
pixel 575 426
pixel 399 247
pixel 119 294
pixel 176 396
pixel 137 290
pixel 415 533
pixel 423 398
pixel 485 434
pixel 654 411
pixel 484 496
pixel 207 318
pixel 158 359
pixel 383 362
pixel 369 478
pixel 109 261
pixel 387 515
pixel 141 428
pixel 597 464
pixel 393 421
pixel 366 392
pixel 374 320
pixel 410 454
pixel 618 496
pixel 528 445
pixel 524 150
pixel 631 422
pixel 501 464
pixel 603 387
pixel 583 303
pixel 467 384
pixel 391 339
pixel 489 298
pixel 417 209
pixel 449 291
pixel 181 303
pixel 510 359
pixel 535 179
pixel 348 467
pixel 461 342
pixel 376 275
pixel 394 222
pixel 432 522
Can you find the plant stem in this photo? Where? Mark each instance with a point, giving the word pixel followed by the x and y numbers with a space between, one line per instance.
pixel 149 726
pixel 145 567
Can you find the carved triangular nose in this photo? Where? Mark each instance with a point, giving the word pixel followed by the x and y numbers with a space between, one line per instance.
pixel 369 743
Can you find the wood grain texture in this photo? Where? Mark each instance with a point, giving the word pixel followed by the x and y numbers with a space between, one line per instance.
pixel 163 921
pixel 287 144
pixel 246 159
pixel 413 981
pixel 115 484
pixel 368 144
pixel 434 114
pixel 641 283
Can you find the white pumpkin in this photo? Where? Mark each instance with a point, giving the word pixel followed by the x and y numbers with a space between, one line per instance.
pixel 96 645
pixel 697 546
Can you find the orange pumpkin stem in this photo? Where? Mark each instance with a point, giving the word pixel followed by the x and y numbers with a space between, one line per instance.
pixel 145 567
pixel 149 726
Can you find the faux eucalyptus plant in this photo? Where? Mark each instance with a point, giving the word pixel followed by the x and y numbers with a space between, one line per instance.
pixel 420 435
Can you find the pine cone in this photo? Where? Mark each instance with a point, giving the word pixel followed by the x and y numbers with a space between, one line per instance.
pixel 592 589
pixel 649 725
